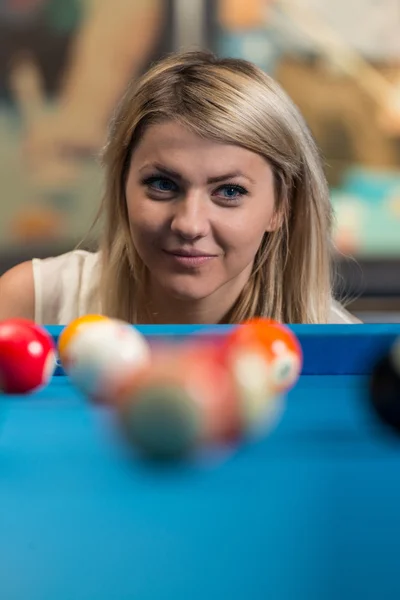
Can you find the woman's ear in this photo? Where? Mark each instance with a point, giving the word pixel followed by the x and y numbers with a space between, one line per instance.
pixel 276 221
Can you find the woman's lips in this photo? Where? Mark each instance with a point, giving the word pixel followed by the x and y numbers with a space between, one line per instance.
pixel 190 260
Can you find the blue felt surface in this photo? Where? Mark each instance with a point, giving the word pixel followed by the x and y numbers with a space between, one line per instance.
pixel 310 513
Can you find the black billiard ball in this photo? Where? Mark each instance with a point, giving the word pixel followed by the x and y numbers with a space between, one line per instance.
pixel 384 388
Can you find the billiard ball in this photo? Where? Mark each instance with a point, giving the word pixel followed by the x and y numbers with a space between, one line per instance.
pixel 97 354
pixel 183 402
pixel 73 328
pixel 384 387
pixel 265 360
pixel 275 346
pixel 259 405
pixel 27 356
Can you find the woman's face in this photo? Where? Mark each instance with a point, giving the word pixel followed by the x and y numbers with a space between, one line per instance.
pixel 198 211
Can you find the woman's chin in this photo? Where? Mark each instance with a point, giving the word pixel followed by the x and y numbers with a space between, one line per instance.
pixel 185 291
pixel 186 295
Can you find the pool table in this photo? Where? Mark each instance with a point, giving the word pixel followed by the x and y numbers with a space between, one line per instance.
pixel 310 512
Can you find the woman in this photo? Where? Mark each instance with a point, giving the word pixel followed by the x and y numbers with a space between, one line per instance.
pixel 216 209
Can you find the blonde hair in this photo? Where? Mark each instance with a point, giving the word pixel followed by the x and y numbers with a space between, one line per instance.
pixel 230 101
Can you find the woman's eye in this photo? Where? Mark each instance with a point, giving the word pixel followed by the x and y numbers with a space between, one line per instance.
pixel 231 192
pixel 161 184
pixel 164 185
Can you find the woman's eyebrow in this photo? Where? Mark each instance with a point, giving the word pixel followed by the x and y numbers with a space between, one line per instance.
pixel 171 173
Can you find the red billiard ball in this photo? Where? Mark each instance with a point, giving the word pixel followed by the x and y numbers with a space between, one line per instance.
pixel 27 356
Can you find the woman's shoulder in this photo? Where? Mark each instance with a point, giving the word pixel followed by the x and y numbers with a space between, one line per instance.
pixel 339 315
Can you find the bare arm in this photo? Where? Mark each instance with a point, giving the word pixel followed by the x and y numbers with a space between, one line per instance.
pixel 17 293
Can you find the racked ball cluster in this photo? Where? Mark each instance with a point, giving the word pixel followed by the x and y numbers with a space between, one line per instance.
pixel 210 393
pixel 172 400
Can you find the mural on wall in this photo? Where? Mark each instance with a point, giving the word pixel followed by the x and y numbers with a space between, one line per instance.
pixel 340 63
pixel 65 63
pixel 63 66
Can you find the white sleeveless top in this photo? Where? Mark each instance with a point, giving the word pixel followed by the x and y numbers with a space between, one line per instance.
pixel 67 287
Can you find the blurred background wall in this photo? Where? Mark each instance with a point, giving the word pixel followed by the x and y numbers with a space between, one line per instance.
pixel 64 64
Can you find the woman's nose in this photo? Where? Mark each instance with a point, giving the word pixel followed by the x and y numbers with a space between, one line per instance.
pixel 191 219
